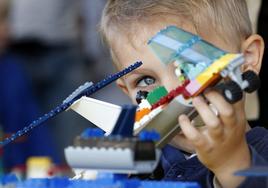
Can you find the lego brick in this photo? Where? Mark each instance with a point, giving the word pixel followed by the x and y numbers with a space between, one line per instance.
pixel 105 180
pixel 168 117
pixel 215 68
pixel 125 123
pixel 92 132
pixel 173 43
pixel 107 159
pixel 94 110
pixel 151 135
pixel 193 86
pixel 141 113
pixel 156 94
pixel 171 95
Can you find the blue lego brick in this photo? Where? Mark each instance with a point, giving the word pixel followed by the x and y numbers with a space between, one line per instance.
pixel 149 135
pixel 91 133
pixel 153 184
pixel 106 181
pixel 111 176
pixel 8 179
pixel 44 183
pixel 125 122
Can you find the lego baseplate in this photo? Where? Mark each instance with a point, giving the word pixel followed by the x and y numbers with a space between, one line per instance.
pixel 10 181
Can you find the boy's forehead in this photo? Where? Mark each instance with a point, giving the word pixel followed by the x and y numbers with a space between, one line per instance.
pixel 127 43
pixel 143 32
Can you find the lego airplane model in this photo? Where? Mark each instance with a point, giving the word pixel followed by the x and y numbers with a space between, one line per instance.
pixel 198 65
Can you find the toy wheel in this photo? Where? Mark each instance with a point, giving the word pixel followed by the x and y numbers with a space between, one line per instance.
pixel 232 92
pixel 253 80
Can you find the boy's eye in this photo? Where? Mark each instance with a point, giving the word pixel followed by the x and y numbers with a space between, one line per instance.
pixel 145 81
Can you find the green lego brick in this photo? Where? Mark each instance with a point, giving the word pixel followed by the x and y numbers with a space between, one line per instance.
pixel 155 95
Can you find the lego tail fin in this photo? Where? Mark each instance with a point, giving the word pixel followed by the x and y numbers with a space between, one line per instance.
pixel 102 114
pixel 125 123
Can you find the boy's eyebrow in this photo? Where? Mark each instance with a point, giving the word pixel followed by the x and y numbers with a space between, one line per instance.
pixel 136 73
pixel 133 73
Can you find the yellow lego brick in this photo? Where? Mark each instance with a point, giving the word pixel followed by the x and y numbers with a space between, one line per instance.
pixel 215 68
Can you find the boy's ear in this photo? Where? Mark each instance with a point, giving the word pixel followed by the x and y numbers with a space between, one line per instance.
pixel 253 49
pixel 121 84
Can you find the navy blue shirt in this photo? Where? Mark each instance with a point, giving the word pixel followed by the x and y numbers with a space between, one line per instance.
pixel 177 168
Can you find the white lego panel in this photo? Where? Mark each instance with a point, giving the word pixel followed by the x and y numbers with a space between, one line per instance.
pixel 108 159
pixel 102 114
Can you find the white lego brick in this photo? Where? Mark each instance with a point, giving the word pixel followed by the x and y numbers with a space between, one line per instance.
pixel 144 104
pixel 108 159
pixel 102 114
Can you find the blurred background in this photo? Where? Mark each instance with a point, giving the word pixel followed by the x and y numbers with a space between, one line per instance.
pixel 50 47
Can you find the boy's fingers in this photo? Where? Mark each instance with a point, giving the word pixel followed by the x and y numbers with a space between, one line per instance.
pixel 226 110
pixel 209 117
pixel 190 132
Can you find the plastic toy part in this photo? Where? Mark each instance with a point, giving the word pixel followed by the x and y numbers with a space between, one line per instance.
pixel 111 181
pixel 180 90
pixel 173 44
pixel 144 104
pixel 203 64
pixel 10 179
pixel 78 91
pixel 92 133
pixel 165 122
pixel 88 90
pixel 254 82
pixel 149 135
pixel 156 94
pixel 141 95
pixel 118 155
pixel 94 110
pixel 147 118
pixel 126 153
pixel 125 123
pixel 232 92
pixel 212 74
pixel 141 113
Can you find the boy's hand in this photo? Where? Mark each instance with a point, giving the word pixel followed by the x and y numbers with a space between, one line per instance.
pixel 221 145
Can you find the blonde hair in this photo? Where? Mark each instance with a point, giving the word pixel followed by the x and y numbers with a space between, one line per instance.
pixel 228 18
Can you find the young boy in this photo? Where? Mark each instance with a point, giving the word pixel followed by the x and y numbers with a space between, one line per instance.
pixel 226 143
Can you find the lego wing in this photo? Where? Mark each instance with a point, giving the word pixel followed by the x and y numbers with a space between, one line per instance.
pixel 192 53
pixel 102 114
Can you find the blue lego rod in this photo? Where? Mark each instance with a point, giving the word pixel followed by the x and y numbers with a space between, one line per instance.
pixel 87 91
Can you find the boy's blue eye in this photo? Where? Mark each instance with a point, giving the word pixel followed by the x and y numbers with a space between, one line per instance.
pixel 145 81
